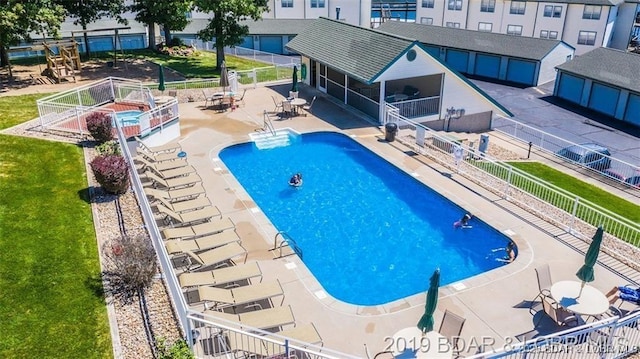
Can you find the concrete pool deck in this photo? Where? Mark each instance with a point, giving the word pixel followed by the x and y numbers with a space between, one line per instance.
pixel 495 304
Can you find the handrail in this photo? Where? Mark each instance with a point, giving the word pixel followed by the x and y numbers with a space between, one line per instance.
pixel 286 241
pixel 267 124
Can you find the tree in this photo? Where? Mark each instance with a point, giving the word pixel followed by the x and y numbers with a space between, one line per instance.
pixel 88 11
pixel 171 14
pixel 224 26
pixel 18 19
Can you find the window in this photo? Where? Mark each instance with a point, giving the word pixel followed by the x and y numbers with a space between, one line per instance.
pixel 487 5
pixel 587 38
pixel 552 11
pixel 545 34
pixel 428 3
pixel 514 30
pixel 287 3
pixel 317 3
pixel 453 24
pixel 455 5
pixel 426 20
pixel 485 26
pixel 592 12
pixel 517 7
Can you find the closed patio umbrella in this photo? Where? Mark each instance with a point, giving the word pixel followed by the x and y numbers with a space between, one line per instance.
pixel 224 77
pixel 585 273
pixel 426 322
pixel 161 79
pixel 294 85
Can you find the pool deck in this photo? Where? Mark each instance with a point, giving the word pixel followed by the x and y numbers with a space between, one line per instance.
pixel 495 303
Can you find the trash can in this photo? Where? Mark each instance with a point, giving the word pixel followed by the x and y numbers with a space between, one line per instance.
pixel 390 130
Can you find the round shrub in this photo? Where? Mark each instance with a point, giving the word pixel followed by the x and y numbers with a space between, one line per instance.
pixel 100 126
pixel 111 172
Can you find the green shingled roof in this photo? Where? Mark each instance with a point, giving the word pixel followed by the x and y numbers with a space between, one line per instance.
pixel 360 52
pixel 609 66
pixel 486 42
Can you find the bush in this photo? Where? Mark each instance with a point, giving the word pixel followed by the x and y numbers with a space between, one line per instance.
pixel 108 148
pixel 111 172
pixel 179 350
pixel 175 41
pixel 100 126
pixel 130 266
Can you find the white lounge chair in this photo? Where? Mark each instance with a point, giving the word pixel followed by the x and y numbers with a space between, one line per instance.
pixel 187 218
pixel 214 257
pixel 143 163
pixel 200 244
pixel 169 147
pixel 172 173
pixel 260 319
pixel 173 183
pixel 216 298
pixel 181 206
pixel 175 195
pixel 199 230
pixel 221 276
pixel 159 156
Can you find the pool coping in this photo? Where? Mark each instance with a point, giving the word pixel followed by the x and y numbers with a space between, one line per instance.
pixel 313 286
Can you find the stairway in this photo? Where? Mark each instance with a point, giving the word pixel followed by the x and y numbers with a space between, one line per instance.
pixel 266 139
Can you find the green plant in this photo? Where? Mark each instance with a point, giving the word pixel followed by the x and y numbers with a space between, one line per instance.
pixel 178 350
pixel 175 42
pixel 111 172
pixel 108 148
pixel 100 126
pixel 129 267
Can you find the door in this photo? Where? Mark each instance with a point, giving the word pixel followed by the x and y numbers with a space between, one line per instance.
pixel 322 78
pixel 632 114
pixel 522 72
pixel 570 88
pixel 458 60
pixel 604 98
pixel 487 66
pixel 272 44
pixel 313 79
pixel 247 42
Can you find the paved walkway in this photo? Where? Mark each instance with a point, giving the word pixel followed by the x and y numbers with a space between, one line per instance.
pixel 494 303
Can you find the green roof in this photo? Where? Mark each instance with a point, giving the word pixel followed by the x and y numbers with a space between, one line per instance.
pixel 609 66
pixel 485 42
pixel 360 52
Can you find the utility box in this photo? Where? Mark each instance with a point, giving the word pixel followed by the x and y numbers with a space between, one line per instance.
pixel 483 146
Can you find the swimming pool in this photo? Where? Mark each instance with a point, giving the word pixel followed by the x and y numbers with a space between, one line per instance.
pixel 129 118
pixel 369 232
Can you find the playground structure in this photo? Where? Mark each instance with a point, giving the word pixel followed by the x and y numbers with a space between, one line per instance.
pixel 63 60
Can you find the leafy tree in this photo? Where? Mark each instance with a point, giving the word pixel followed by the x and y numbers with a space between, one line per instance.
pixel 171 14
pixel 19 18
pixel 85 12
pixel 224 25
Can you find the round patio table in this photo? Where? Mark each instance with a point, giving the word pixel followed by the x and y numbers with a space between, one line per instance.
pixel 411 343
pixel 591 301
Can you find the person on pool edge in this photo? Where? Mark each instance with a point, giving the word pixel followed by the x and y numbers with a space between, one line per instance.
pixel 296 180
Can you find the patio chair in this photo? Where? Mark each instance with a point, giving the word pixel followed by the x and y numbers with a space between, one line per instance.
pixel 221 276
pixel 212 258
pixel 188 218
pixel 450 328
pixel 173 183
pixel 158 156
pixel 183 206
pixel 259 319
pixel 143 163
pixel 175 246
pixel 208 97
pixel 308 107
pixel 278 104
pixel 169 147
pixel 240 99
pixel 248 294
pixel 173 172
pixel 557 313
pixel 287 109
pixel 199 230
pixel 176 195
pixel 543 274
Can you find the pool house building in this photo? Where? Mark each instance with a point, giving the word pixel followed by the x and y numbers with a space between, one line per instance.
pixel 374 72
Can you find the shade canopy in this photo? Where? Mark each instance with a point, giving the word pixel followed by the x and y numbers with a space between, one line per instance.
pixel 426 322
pixel 224 76
pixel 585 273
pixel 161 86
pixel 294 82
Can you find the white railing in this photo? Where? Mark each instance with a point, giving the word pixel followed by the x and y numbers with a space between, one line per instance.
pixel 610 338
pixel 566 210
pixel 262 56
pixel 619 170
pixel 419 107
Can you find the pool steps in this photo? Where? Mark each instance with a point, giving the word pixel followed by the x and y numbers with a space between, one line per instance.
pixel 266 140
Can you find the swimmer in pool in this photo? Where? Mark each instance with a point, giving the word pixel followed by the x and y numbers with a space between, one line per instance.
pixel 464 221
pixel 296 180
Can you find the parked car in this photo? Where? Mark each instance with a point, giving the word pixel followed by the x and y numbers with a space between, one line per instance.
pixel 587 154
pixel 633 181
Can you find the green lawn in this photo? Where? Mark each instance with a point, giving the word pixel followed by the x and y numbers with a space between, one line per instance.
pixel 582 189
pixel 50 299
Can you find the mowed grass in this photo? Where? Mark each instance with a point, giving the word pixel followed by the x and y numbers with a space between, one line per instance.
pixel 51 303
pixel 582 189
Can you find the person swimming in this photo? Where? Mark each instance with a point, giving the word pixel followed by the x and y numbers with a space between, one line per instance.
pixel 464 221
pixel 296 180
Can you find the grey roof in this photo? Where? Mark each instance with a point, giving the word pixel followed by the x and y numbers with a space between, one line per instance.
pixel 360 52
pixel 610 66
pixel 486 42
pixel 277 26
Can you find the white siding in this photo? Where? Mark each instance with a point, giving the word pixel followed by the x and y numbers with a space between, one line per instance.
pixel 355 12
pixel 526 21
pixel 556 57
pixel 476 16
pixel 436 13
pixel 550 23
pixel 575 23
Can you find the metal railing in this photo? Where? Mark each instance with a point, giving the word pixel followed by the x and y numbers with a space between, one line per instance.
pixel 576 215
pixel 420 107
pixel 617 170
pixel 609 338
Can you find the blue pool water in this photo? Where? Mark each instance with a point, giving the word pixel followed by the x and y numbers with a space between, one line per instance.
pixel 369 232
pixel 129 118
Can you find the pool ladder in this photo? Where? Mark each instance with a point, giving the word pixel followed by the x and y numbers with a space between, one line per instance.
pixel 286 241
pixel 267 125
